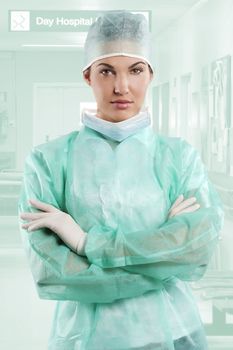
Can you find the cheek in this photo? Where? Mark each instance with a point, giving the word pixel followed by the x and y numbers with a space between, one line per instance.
pixel 140 90
pixel 139 85
pixel 102 91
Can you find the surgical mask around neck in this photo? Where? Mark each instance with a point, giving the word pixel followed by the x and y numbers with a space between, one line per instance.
pixel 120 130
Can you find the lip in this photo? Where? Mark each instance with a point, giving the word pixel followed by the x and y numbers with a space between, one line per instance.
pixel 121 104
pixel 122 101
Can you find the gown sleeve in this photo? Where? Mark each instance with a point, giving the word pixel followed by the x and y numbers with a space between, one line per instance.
pixel 181 246
pixel 58 272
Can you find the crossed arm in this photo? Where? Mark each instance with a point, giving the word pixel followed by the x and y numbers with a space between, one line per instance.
pixel 70 232
pixel 181 247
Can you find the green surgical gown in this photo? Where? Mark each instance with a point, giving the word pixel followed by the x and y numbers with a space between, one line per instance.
pixel 131 290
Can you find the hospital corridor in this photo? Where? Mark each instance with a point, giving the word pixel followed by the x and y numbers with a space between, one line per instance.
pixel 43 95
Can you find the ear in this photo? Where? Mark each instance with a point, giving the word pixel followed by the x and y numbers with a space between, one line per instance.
pixel 86 76
pixel 151 73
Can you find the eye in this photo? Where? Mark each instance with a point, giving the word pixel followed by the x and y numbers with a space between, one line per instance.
pixel 137 70
pixel 106 71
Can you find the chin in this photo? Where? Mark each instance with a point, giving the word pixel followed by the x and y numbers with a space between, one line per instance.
pixel 121 115
pixel 120 118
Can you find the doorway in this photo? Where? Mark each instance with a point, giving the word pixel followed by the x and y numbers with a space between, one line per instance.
pixel 57 109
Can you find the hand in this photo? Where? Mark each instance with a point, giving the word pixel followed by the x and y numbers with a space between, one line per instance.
pixel 49 217
pixel 57 221
pixel 182 205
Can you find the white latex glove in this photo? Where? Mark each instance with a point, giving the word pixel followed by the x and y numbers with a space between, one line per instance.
pixel 182 205
pixel 57 221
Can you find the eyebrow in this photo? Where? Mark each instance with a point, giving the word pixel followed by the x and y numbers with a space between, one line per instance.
pixel 110 66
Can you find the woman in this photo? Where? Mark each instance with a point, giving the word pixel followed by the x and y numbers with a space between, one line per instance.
pixel 119 218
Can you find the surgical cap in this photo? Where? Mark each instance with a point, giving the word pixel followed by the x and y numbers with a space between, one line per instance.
pixel 117 33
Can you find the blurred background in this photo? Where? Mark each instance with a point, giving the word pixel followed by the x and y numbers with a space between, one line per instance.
pixel 42 94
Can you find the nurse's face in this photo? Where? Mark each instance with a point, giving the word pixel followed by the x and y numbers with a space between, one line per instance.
pixel 119 84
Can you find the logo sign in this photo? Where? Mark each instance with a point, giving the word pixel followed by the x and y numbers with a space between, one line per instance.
pixel 20 21
pixel 56 21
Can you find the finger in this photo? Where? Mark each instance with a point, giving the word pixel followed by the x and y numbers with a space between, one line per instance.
pixel 170 215
pixel 189 209
pixel 31 216
pixel 186 203
pixel 34 225
pixel 177 201
pixel 25 226
pixel 42 206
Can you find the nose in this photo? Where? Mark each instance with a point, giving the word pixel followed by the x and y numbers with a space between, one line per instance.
pixel 121 85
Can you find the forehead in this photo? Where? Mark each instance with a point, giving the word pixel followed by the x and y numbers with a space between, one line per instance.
pixel 118 61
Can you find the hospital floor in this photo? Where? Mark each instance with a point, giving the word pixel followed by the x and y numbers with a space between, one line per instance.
pixel 25 320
